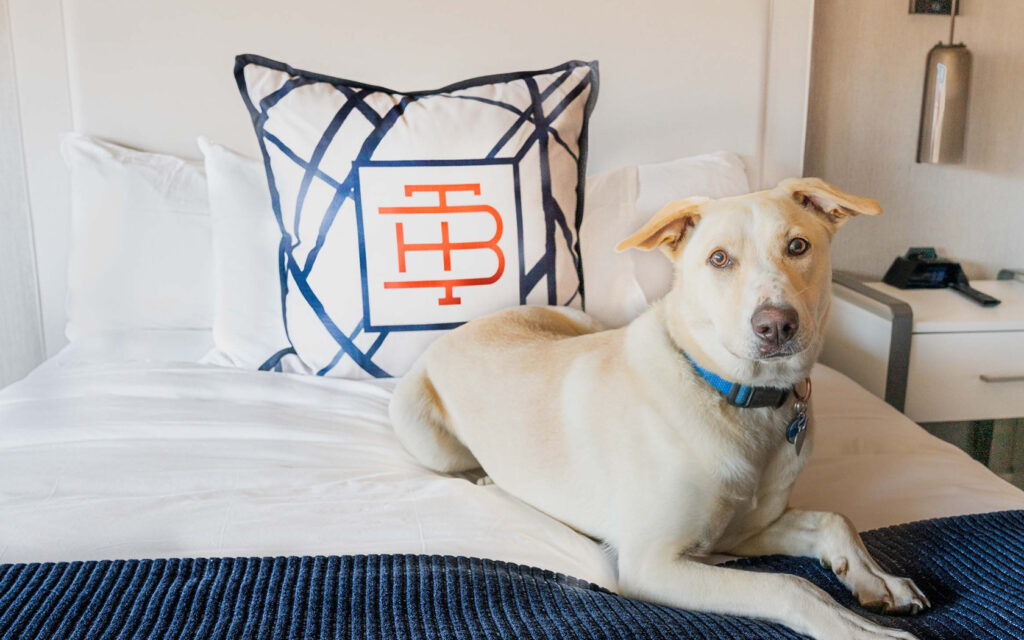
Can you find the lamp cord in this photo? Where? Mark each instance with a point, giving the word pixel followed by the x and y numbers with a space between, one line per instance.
pixel 952 18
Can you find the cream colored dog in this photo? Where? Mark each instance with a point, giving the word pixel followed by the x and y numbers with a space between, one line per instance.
pixel 616 434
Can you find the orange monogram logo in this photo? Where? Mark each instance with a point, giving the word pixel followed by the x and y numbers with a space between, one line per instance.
pixel 445 246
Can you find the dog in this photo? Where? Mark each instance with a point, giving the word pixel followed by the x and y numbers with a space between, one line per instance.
pixel 625 435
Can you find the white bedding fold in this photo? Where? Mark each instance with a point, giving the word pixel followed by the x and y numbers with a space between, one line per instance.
pixel 136 459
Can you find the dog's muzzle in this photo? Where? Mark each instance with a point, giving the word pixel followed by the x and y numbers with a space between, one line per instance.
pixel 775 327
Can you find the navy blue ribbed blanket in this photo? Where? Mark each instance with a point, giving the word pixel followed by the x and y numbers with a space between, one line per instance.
pixel 971 567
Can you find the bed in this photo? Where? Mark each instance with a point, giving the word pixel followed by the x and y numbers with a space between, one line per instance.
pixel 122 454
pixel 126 450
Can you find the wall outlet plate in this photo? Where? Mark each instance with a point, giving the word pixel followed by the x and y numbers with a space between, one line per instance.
pixel 941 7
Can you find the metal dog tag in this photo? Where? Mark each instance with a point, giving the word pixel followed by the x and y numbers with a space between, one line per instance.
pixel 797 428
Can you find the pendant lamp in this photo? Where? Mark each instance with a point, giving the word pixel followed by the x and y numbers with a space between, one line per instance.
pixel 944 107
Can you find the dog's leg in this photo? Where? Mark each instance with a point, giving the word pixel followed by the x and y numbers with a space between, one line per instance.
pixel 658 573
pixel 419 422
pixel 831 538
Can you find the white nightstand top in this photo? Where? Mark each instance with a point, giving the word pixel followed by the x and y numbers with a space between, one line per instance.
pixel 946 311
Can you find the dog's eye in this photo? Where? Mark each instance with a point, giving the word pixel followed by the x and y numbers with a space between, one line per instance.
pixel 798 247
pixel 719 259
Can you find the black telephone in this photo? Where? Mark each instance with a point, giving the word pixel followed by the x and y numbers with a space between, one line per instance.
pixel 922 268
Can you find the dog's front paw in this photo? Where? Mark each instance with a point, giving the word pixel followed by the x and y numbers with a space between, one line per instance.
pixel 882 592
pixel 893 595
pixel 823 618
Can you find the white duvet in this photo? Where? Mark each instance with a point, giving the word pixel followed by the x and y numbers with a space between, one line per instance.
pixel 121 448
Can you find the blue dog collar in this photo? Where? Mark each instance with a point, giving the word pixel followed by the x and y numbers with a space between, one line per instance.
pixel 741 395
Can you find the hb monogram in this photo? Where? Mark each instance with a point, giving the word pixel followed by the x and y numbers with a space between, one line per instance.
pixel 446 246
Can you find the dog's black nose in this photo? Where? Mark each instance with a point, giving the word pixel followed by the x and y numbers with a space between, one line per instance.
pixel 774 326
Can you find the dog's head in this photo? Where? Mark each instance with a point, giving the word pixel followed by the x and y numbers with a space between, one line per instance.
pixel 752 274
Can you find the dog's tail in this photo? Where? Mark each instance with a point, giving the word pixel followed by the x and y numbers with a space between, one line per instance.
pixel 419 420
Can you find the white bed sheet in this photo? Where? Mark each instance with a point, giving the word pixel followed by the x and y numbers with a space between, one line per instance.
pixel 879 468
pixel 119 447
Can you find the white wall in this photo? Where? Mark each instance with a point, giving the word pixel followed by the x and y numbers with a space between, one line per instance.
pixel 867 76
pixel 40 64
pixel 21 340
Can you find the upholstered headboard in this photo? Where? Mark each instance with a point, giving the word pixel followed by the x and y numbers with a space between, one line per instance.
pixel 679 77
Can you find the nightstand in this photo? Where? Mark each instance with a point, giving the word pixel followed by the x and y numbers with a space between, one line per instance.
pixel 946 362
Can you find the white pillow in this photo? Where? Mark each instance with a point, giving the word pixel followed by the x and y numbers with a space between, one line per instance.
pixel 405 214
pixel 620 286
pixel 140 240
pixel 248 327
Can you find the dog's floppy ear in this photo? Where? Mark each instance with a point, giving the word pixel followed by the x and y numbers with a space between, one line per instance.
pixel 667 228
pixel 833 205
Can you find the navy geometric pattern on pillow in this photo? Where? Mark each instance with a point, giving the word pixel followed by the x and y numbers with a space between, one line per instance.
pixel 403 215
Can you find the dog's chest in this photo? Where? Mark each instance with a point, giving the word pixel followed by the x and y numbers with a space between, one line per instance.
pixel 750 474
pixel 749 446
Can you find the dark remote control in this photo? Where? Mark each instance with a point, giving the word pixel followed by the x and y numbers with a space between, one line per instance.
pixel 983 299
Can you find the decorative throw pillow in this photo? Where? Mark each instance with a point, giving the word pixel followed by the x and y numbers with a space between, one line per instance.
pixel 403 215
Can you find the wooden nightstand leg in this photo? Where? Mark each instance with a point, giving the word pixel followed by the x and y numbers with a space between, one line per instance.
pixel 1006 457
